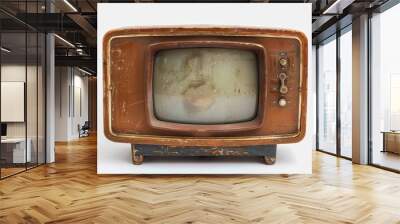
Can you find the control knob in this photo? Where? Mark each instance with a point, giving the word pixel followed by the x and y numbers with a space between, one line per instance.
pixel 283 62
pixel 283 88
pixel 282 102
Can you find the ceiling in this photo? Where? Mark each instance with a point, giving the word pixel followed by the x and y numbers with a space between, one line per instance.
pixel 75 22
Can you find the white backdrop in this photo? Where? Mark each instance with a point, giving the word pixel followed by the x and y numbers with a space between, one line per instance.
pixel 115 158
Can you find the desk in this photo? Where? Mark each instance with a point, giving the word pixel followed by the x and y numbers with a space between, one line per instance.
pixel 391 141
pixel 13 150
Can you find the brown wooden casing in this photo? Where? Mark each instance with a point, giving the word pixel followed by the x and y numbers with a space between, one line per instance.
pixel 127 66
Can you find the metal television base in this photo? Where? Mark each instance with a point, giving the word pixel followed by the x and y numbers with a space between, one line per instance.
pixel 268 152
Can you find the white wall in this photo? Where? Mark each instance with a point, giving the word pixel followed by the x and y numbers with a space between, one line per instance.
pixel 70 83
pixel 17 73
pixel 79 117
pixel 14 73
pixel 12 101
pixel 61 103
pixel 33 126
pixel 313 86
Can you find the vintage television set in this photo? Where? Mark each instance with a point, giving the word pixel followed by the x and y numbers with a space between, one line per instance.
pixel 204 91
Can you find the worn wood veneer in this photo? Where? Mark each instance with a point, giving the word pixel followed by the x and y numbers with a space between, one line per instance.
pixel 128 62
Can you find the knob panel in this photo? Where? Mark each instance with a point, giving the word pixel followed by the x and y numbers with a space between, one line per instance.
pixel 283 69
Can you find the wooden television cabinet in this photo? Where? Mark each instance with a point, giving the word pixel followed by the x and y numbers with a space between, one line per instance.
pixel 163 85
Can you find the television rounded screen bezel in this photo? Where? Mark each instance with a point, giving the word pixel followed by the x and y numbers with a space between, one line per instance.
pixel 206 129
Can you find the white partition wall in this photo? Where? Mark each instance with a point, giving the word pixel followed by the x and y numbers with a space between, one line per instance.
pixel 22 89
pixel 14 68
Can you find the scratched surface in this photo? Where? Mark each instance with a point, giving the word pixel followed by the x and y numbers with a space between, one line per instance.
pixel 128 62
pixel 128 113
pixel 159 150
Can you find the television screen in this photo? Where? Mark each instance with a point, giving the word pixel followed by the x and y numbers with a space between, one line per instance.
pixel 205 85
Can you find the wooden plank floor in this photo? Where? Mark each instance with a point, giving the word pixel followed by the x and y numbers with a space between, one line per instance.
pixel 70 191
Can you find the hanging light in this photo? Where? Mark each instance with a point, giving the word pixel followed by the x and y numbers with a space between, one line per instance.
pixel 70 5
pixel 84 71
pixel 64 40
pixel 5 50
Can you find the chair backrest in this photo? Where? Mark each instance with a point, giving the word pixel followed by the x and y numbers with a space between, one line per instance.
pixel 86 125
